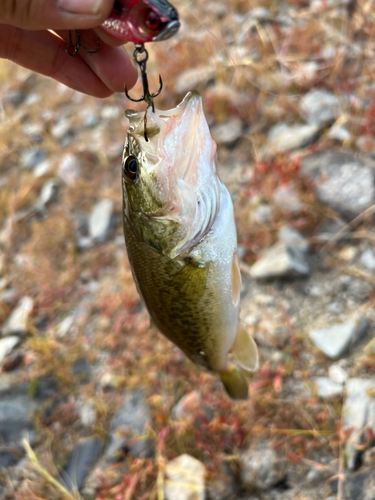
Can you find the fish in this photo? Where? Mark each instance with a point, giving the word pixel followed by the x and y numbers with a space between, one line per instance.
pixel 181 240
pixel 141 21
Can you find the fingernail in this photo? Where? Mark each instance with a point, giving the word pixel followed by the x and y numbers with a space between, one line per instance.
pixel 85 7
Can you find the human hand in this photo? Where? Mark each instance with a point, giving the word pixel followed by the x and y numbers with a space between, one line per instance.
pixel 25 40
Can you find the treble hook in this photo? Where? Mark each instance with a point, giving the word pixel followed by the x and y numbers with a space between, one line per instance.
pixel 141 57
pixel 79 44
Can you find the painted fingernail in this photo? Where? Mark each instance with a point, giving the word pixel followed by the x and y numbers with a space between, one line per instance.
pixel 85 7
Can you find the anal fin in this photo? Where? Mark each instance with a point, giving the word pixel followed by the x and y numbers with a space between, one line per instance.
pixel 245 350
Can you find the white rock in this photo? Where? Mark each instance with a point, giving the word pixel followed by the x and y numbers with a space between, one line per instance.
pixel 293 238
pixel 283 137
pixel 42 168
pixel 185 479
pixel 286 198
pixel 18 319
pixel 7 344
pixel 228 132
pixel 325 388
pixel 358 413
pixel 339 133
pixel 319 107
pixel 280 261
pixel 64 326
pixel 110 112
pixel 69 169
pixel 187 405
pixel 48 193
pixel 335 341
pixel 343 181
pixel 61 128
pixel 100 220
pixel 192 78
pixel 261 468
pixel 368 259
pixel 87 413
pixel 337 374
pixel 262 214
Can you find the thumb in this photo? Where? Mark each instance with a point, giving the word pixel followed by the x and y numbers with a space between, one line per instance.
pixel 54 14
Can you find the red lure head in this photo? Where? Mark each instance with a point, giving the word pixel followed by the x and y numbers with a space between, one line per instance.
pixel 141 21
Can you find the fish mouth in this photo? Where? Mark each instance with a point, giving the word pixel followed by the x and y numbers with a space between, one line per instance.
pixel 144 21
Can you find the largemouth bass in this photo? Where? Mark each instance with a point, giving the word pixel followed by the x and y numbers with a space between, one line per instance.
pixel 181 240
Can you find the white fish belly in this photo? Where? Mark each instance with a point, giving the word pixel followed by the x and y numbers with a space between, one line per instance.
pixel 219 249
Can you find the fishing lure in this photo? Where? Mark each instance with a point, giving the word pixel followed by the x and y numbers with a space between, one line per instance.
pixel 136 21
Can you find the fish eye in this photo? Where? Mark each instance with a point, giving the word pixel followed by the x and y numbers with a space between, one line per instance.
pixel 131 169
pixel 152 20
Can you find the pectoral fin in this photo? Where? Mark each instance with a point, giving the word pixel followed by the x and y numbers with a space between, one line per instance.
pixel 235 383
pixel 190 281
pixel 245 350
pixel 236 280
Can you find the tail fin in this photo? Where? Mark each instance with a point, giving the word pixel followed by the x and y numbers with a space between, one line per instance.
pixel 235 383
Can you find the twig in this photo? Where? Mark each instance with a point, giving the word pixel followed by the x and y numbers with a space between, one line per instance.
pixel 34 460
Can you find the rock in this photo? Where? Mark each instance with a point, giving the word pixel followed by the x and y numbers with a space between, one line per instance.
pixel 193 78
pixel 226 485
pixel 358 413
pixel 283 137
pixel 110 112
pixel 32 157
pixel 227 133
pixel 48 193
pixel 44 387
pixel 339 133
pixel 131 418
pixel 343 181
pixel 7 344
pixel 15 424
pixel 332 230
pixel 262 214
pixel 261 468
pixel 348 253
pixel 64 326
pixel 82 370
pixel 280 261
pixel 17 323
pixel 325 388
pixel 360 486
pixel 319 107
pixel 260 14
pixel 335 341
pixel 337 374
pixel 42 168
pixel 286 199
pixel 293 238
pixel 87 413
pixel 187 406
pixel 100 220
pixel 185 479
pixel 9 296
pixel 367 259
pixel 109 381
pixel 69 169
pixel 61 128
pixel 80 461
